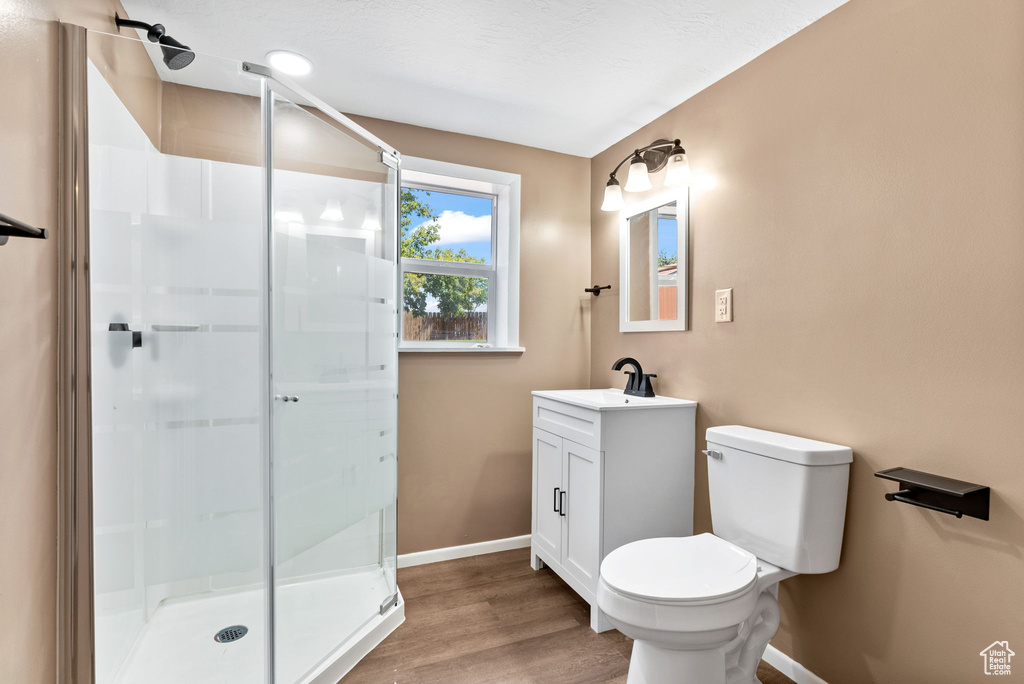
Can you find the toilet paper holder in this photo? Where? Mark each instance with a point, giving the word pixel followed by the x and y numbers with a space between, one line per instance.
pixel 937 493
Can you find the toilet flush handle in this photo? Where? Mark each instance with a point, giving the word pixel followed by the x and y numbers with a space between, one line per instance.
pixel 717 455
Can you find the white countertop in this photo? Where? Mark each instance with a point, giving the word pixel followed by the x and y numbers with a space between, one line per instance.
pixel 610 399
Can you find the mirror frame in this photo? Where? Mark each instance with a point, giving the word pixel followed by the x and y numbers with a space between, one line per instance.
pixel 680 196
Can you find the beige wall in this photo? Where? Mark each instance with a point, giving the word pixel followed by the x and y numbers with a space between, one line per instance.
pixel 28 317
pixel 869 214
pixel 464 419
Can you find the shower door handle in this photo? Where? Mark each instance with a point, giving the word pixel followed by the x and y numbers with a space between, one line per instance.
pixel 123 327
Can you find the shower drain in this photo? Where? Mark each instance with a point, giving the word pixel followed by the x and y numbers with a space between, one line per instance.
pixel 232 633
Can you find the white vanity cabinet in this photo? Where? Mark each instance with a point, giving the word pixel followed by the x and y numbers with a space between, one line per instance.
pixel 608 469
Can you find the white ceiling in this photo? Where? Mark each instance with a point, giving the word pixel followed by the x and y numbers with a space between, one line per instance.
pixel 570 76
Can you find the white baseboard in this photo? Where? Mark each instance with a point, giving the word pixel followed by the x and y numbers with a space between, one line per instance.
pixel 407 560
pixel 789 667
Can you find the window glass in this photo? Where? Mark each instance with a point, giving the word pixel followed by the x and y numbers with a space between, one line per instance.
pixel 444 308
pixel 668 255
pixel 446 226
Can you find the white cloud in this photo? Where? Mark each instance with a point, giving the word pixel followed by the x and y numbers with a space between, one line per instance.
pixel 457 227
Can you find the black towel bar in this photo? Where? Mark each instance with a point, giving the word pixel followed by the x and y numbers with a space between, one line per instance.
pixel 907 496
pixel 10 227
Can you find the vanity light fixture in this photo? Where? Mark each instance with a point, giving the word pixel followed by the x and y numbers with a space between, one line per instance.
pixel 638 179
pixel 371 222
pixel 643 162
pixel 288 216
pixel 332 212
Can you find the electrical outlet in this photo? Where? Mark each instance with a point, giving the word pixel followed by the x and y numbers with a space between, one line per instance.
pixel 723 306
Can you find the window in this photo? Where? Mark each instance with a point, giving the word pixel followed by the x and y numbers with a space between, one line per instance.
pixel 459 258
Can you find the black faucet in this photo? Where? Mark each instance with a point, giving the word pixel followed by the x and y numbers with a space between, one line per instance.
pixel 639 384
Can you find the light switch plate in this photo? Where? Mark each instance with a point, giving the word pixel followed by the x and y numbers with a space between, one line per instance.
pixel 723 306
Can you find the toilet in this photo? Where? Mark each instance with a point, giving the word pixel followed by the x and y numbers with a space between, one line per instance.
pixel 702 609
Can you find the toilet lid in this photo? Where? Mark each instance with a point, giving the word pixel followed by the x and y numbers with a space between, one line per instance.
pixel 680 569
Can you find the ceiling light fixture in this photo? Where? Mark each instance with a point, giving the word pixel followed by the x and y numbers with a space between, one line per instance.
pixel 289 63
pixel 643 162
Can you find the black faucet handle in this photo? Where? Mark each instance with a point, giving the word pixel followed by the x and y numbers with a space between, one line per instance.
pixel 644 388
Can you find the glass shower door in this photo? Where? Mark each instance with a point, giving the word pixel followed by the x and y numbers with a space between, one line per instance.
pixel 333 365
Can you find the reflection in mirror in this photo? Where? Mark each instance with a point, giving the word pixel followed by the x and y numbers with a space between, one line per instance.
pixel 653 270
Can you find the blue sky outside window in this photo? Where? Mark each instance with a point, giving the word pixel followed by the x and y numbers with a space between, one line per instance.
pixel 465 221
pixel 668 237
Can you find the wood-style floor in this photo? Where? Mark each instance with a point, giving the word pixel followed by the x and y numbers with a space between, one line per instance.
pixel 493 619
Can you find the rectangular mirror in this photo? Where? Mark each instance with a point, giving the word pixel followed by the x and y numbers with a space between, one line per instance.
pixel 653 262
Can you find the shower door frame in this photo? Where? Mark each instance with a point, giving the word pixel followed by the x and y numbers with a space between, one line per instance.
pixel 75 637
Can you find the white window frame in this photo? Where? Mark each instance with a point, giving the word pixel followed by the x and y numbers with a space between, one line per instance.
pixel 502 273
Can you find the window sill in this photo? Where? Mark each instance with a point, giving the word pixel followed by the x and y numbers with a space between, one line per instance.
pixel 463 350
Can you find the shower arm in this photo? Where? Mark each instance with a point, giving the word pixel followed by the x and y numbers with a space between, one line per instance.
pixel 153 31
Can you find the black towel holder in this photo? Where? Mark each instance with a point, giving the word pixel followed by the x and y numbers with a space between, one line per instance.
pixel 937 493
pixel 10 227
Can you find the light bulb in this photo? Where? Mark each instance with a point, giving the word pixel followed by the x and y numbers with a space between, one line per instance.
pixel 638 180
pixel 288 216
pixel 371 222
pixel 678 170
pixel 332 212
pixel 612 196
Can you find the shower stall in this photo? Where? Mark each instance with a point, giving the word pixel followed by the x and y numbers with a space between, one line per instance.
pixel 234 478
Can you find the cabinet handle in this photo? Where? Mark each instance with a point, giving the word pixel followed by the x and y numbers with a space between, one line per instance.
pixel 561 503
pixel 555 504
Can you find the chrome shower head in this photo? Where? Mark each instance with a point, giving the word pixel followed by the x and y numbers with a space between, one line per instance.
pixel 177 55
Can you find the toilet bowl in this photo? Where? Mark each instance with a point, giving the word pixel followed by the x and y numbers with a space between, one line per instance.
pixel 691 605
pixel 702 609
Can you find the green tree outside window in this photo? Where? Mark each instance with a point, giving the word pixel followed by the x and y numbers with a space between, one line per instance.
pixel 455 295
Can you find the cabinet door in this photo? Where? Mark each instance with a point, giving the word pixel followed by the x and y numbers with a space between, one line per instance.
pixel 547 487
pixel 582 543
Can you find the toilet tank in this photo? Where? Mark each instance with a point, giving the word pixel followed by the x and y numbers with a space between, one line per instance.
pixel 783 498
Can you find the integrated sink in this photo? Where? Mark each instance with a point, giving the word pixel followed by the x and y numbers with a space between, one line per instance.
pixel 609 399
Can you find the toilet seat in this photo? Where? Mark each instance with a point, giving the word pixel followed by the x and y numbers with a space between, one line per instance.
pixel 698 570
